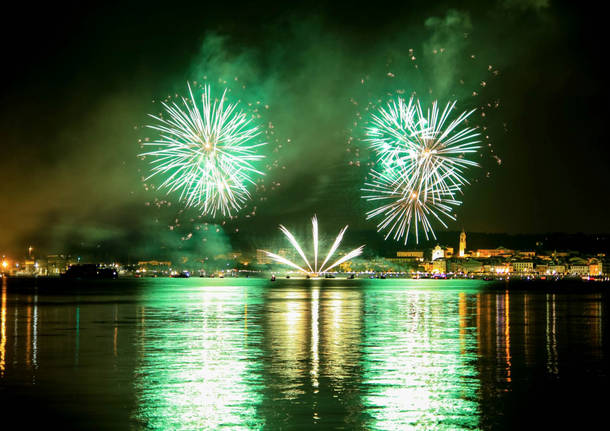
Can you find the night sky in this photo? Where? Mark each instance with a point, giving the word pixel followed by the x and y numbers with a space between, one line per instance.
pixel 80 81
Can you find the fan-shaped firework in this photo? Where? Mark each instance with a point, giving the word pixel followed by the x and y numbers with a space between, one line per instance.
pixel 207 154
pixel 422 165
pixel 315 269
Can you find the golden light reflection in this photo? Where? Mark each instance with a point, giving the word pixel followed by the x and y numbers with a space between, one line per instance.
pixel 341 333
pixel 552 361
pixel 288 331
pixel 3 330
pixel 28 337
pixel 526 328
pixel 463 323
pixel 478 301
pixel 315 338
pixel 77 336
pixel 115 334
pixel 507 335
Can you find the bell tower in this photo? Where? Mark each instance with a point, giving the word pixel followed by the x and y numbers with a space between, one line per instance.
pixel 462 249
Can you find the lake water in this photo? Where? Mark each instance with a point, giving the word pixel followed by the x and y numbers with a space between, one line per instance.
pixel 298 354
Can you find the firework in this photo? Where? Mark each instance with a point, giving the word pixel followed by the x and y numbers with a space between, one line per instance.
pixel 403 206
pixel 323 267
pixel 422 161
pixel 206 152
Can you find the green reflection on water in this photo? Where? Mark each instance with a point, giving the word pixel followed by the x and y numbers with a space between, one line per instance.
pixel 419 360
pixel 374 357
pixel 196 369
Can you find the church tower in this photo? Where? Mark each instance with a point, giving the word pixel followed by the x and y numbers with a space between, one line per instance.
pixel 462 244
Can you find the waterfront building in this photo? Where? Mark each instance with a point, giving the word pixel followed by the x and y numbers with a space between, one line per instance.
pixel 464 265
pixel 462 249
pixel 556 269
pixel 437 253
pixel 406 259
pixel 595 267
pixel 411 254
pixel 526 254
pixel 442 252
pixel 59 263
pixel 262 258
pixel 523 266
pixel 494 252
pixel 439 266
pixel 579 269
pixel 154 266
pixel 497 268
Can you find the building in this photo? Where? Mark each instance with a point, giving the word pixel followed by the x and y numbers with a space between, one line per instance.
pixel 523 266
pixel 411 254
pixel 499 268
pixel 556 269
pixel 439 266
pixel 262 258
pixel 407 258
pixel 494 252
pixel 58 263
pixel 579 269
pixel 154 267
pixel 464 266
pixel 596 267
pixel 437 253
pixel 462 249
pixel 526 254
pixel 440 252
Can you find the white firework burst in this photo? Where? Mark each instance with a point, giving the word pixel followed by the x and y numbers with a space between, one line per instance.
pixel 421 154
pixel 206 154
pixel 405 207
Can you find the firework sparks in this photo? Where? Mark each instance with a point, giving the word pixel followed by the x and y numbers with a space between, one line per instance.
pixel 421 154
pixel 206 154
pixel 403 206
pixel 315 269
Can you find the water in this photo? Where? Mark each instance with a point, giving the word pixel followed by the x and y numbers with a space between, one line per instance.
pixel 297 354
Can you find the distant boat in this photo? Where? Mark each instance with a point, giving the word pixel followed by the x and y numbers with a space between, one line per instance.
pixel 351 277
pixel 329 276
pixel 287 276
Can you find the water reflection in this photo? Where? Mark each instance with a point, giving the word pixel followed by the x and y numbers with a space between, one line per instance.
pixel 420 353
pixel 178 354
pixel 3 329
pixel 194 369
pixel 552 356
pixel 312 340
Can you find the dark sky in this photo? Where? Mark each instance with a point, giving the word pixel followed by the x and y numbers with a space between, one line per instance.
pixel 80 80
